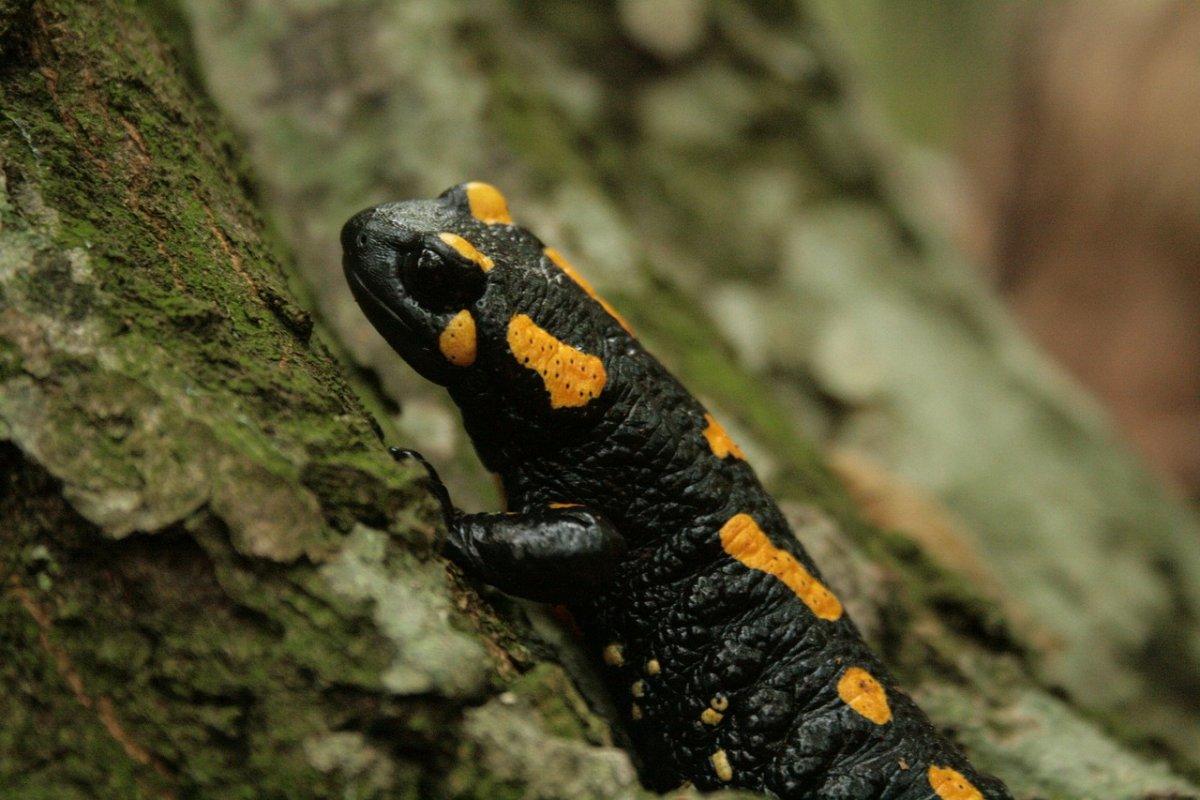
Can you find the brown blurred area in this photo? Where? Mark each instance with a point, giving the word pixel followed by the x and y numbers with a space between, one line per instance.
pixel 1090 186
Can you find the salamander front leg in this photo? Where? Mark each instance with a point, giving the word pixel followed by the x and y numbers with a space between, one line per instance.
pixel 552 555
pixel 558 555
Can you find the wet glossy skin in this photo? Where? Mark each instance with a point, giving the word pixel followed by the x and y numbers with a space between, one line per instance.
pixel 733 663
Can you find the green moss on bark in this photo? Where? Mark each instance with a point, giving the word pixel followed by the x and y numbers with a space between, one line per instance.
pixel 188 477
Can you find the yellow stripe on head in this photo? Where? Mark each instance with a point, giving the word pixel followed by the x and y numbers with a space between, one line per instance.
pixel 487 204
pixel 467 250
pixel 573 274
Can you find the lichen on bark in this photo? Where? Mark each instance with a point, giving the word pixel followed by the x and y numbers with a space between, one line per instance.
pixel 187 475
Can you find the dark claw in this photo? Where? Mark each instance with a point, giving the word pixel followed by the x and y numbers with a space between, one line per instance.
pixel 403 454
pixel 432 479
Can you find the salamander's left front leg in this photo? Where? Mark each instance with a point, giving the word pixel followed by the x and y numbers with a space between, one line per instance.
pixel 552 555
pixel 557 555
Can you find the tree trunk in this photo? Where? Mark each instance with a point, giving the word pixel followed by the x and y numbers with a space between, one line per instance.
pixel 215 581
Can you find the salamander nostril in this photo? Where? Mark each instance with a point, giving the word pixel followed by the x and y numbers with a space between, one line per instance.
pixel 355 235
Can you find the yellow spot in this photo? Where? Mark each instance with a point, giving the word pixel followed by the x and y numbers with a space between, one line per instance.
pixel 565 505
pixel 614 655
pixel 711 716
pixel 635 711
pixel 859 690
pixel 467 250
pixel 719 441
pixel 721 766
pixel 457 341
pixel 638 689
pixel 719 702
pixel 571 376
pixel 653 667
pixel 950 784
pixel 588 289
pixel 487 204
pixel 744 540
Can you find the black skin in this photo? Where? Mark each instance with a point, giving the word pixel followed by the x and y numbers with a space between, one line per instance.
pixel 638 557
pixel 552 555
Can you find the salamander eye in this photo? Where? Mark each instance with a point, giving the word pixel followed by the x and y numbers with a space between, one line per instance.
pixel 440 283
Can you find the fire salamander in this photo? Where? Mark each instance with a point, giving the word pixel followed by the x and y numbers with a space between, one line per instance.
pixel 734 663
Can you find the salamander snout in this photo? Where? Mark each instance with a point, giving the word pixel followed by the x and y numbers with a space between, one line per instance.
pixel 418 282
pixel 371 236
pixel 354 231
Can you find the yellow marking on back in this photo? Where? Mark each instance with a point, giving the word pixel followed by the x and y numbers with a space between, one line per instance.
pixel 721 765
pixel 565 505
pixel 467 250
pixel 457 341
pixel 635 711
pixel 719 441
pixel 653 667
pixel 572 377
pixel 573 274
pixel 710 716
pixel 614 654
pixel 719 702
pixel 744 540
pixel 487 204
pixel 638 689
pixel 859 690
pixel 950 784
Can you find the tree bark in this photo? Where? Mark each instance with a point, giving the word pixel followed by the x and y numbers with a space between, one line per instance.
pixel 215 581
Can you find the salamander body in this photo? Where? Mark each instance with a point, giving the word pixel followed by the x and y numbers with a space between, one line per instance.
pixel 733 662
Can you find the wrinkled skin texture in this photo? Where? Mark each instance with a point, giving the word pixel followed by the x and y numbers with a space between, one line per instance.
pixel 733 664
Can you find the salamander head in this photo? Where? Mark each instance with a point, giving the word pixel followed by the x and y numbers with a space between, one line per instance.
pixel 481 306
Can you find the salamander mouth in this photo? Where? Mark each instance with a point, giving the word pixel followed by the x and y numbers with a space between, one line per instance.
pixel 412 337
pixel 375 305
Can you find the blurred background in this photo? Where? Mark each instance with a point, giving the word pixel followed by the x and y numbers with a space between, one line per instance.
pixel 1065 141
pixel 948 246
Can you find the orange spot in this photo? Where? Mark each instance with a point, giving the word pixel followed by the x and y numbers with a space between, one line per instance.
pixel 467 250
pixel 744 540
pixel 721 765
pixel 859 690
pixel 574 275
pixel 487 204
pixel 457 341
pixel 564 505
pixel 719 441
pixel 950 784
pixel 711 716
pixel 571 376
